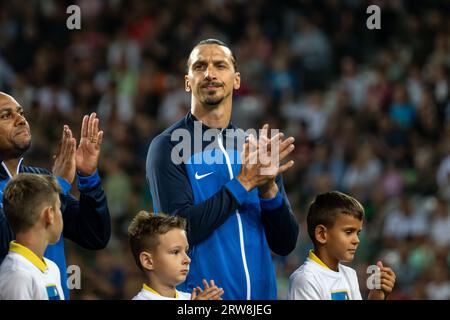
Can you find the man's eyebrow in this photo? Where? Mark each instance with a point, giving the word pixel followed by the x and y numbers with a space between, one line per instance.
pixel 5 108
pixel 202 61
pixel 199 61
pixel 8 106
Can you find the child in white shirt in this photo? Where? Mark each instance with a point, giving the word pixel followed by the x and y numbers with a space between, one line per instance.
pixel 334 223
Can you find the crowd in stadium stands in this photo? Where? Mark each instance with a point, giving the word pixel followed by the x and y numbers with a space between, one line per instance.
pixel 369 109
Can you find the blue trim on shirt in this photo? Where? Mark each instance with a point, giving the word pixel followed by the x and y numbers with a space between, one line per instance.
pixel 237 190
pixel 87 182
pixel 272 203
pixel 65 185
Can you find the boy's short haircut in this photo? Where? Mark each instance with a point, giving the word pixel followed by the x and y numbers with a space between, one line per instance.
pixel 145 229
pixel 24 197
pixel 326 207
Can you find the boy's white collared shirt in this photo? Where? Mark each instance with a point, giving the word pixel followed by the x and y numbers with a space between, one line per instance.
pixel 148 293
pixel 313 280
pixel 24 276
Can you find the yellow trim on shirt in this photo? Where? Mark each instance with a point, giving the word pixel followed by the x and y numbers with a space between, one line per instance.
pixel 340 291
pixel 28 254
pixel 146 287
pixel 316 259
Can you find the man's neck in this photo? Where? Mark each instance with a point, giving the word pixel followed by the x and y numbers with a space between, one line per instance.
pixel 217 117
pixel 35 241
pixel 12 165
pixel 327 259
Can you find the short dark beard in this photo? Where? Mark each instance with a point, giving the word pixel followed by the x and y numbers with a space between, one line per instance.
pixel 213 101
pixel 20 149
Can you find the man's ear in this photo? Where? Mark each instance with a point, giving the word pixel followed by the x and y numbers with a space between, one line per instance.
pixel 187 84
pixel 320 234
pixel 237 81
pixel 146 260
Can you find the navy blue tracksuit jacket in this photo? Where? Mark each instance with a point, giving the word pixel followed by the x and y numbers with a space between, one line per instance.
pixel 230 231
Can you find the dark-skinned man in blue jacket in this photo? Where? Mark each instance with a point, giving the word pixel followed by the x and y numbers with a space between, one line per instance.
pixel 86 221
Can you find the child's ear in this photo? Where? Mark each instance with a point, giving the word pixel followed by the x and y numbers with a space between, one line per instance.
pixel 49 215
pixel 320 234
pixel 146 260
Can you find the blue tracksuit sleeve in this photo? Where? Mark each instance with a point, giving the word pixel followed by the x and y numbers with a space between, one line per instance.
pixel 172 193
pixel 279 222
pixel 87 221
pixel 6 235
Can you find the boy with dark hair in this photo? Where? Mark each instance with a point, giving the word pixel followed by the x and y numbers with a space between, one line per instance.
pixel 334 223
pixel 31 204
pixel 160 249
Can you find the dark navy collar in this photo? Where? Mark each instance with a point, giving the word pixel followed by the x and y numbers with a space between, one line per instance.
pixel 190 118
pixel 4 172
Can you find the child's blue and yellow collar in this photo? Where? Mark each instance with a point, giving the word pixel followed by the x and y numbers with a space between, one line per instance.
pixel 28 254
pixel 316 259
pixel 146 287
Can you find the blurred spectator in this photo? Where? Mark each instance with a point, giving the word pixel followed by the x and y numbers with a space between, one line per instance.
pixel 440 224
pixel 401 111
pixel 405 222
pixel 312 49
pixel 439 286
pixel 362 172
pixel 7 75
pixel 352 81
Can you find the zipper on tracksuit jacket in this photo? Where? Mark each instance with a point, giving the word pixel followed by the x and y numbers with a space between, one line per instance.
pixel 241 231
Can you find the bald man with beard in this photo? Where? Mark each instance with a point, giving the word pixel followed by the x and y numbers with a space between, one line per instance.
pixel 87 221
